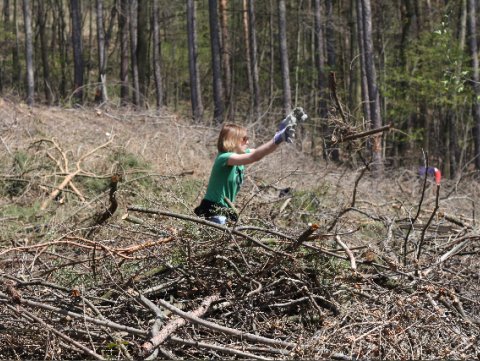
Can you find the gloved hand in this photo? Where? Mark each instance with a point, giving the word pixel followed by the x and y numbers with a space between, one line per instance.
pixel 297 115
pixel 286 134
pixel 300 115
pixel 286 129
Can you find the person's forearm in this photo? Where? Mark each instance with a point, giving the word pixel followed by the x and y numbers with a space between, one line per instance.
pixel 265 149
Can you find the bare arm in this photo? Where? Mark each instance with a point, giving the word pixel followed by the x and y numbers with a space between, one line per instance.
pixel 254 155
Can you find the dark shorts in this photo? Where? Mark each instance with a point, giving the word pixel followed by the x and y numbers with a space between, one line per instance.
pixel 209 209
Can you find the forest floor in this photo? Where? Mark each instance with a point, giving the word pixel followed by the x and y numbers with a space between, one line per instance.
pixel 101 256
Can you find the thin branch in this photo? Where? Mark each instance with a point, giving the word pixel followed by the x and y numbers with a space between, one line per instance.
pixel 422 237
pixel 224 349
pixel 174 324
pixel 227 330
pixel 207 223
pixel 405 242
pixel 363 134
pixel 74 343
pixel 62 311
pixel 353 263
pixel 352 204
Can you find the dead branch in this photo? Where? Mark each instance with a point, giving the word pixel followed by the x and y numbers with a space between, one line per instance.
pixel 303 237
pixel 101 219
pixel 223 349
pixel 362 134
pixel 227 330
pixel 464 242
pixel 333 87
pixel 69 340
pixel 323 301
pixel 172 326
pixel 352 204
pixel 412 222
pixel 90 245
pixel 207 223
pixel 353 263
pixel 60 311
pixel 422 236
pixel 71 175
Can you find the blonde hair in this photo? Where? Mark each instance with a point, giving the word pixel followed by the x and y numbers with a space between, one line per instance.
pixel 229 137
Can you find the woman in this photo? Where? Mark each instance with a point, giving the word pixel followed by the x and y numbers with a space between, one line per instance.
pixel 228 169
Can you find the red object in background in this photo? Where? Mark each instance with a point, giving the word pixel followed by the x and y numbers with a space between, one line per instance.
pixel 438 176
pixel 435 172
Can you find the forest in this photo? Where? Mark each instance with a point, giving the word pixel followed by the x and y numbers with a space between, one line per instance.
pixel 345 248
pixel 409 64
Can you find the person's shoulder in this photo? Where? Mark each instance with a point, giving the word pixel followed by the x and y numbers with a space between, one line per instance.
pixel 222 157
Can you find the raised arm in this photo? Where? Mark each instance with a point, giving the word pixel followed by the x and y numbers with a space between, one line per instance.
pixel 286 132
pixel 254 155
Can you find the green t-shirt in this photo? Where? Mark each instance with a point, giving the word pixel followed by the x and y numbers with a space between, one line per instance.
pixel 225 180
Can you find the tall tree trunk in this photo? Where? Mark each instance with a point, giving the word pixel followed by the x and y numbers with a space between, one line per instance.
pixel 27 18
pixel 90 46
pixel 156 56
pixel 374 95
pixel 472 30
pixel 330 36
pixel 363 72
pixel 271 71
pixel 409 20
pixel 329 151
pixel 124 50
pixel 60 25
pixel 354 92
pixel 454 153
pixel 42 19
pixel 236 19
pixel 6 32
pixel 142 47
pixel 298 46
pixel 195 85
pixel 109 29
pixel 17 70
pixel 282 30
pixel 6 28
pixel 133 50
pixel 253 57
pixel 322 85
pixel 102 60
pixel 227 71
pixel 248 57
pixel 77 50
pixel 218 95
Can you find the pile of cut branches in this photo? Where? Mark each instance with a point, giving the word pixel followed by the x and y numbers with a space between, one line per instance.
pixel 165 285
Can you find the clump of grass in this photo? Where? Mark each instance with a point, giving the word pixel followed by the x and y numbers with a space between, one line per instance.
pixel 94 185
pixel 22 213
pixel 124 160
pixel 16 186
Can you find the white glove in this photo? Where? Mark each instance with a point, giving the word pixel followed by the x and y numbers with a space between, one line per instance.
pixel 297 115
pixel 286 129
pixel 286 134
